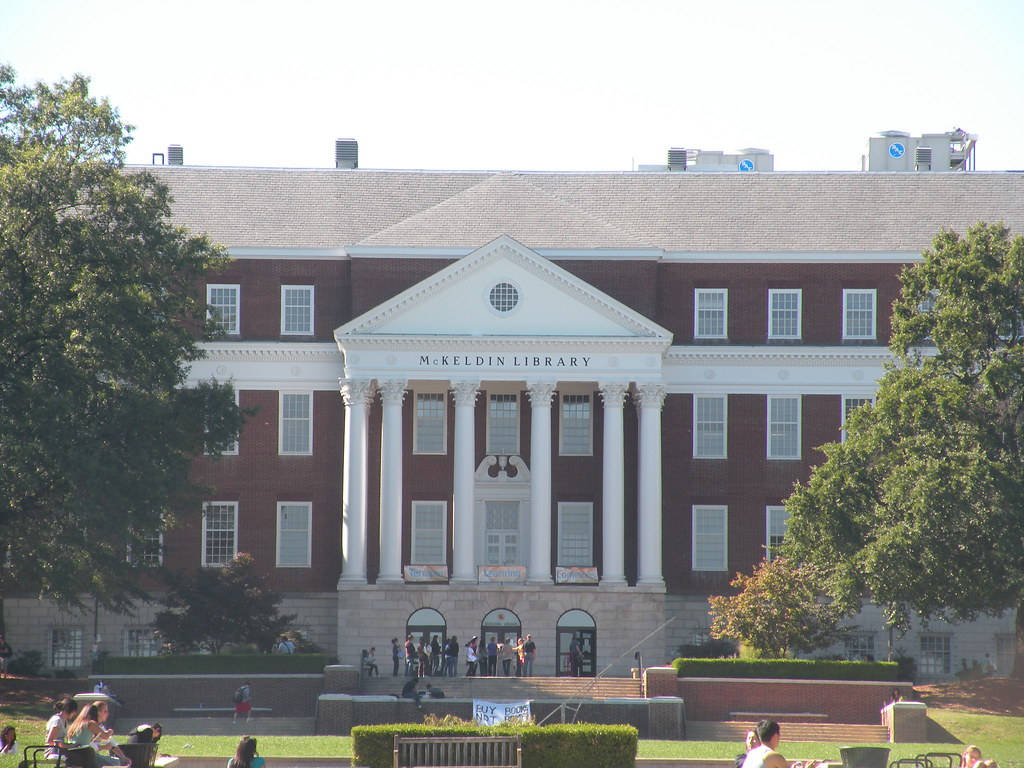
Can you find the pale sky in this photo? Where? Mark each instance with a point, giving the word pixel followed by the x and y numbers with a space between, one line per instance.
pixel 534 85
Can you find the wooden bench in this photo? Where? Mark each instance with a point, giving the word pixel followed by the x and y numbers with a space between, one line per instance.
pixel 462 751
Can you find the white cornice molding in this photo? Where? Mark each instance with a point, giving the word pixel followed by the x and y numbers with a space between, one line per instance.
pixel 793 257
pixel 562 254
pixel 524 343
pixel 289 254
pixel 788 354
pixel 269 352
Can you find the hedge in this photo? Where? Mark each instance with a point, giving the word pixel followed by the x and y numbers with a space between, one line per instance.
pixel 221 663
pixel 554 746
pixel 789 669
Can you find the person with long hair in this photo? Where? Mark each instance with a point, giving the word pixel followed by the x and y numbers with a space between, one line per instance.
pixel 8 737
pixel 246 756
pixel 64 710
pixel 88 730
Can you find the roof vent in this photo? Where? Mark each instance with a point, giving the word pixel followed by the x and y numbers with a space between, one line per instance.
pixel 346 153
pixel 923 159
pixel 677 159
pixel 175 155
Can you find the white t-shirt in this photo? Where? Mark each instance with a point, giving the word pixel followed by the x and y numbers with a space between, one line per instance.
pixel 757 756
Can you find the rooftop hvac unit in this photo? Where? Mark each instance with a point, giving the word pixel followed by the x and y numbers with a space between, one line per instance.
pixel 923 159
pixel 346 153
pixel 677 159
pixel 175 155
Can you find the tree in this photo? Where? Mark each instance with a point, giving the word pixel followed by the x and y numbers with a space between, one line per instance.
pixel 218 606
pixel 778 608
pixel 98 318
pixel 922 507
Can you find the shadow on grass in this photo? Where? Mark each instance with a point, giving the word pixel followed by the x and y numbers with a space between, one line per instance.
pixel 939 735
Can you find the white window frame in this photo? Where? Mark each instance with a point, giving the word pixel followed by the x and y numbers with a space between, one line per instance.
pixel 416 529
pixel 722 563
pixel 844 413
pixel 234 532
pixel 308 506
pixel 308 330
pixel 74 656
pixel 944 655
pixel 698 451
pixel 799 427
pixel 237 288
pixel 504 535
pixel 416 424
pixel 774 292
pixel 697 294
pixel 141 561
pixel 576 507
pixel 858 645
pixel 562 449
pixel 306 450
pixel 772 513
pixel 849 293
pixel 137 648
pixel 518 423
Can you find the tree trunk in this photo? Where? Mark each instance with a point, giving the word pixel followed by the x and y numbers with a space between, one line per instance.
pixel 1018 655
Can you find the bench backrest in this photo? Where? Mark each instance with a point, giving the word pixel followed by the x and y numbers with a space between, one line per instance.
pixel 490 751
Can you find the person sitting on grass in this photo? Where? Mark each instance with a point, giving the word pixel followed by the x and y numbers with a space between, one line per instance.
pixel 752 741
pixel 8 737
pixel 970 757
pixel 245 755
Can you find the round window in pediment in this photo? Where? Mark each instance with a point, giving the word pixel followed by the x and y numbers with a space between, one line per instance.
pixel 504 297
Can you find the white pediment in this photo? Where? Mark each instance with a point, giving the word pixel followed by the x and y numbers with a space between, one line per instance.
pixel 457 302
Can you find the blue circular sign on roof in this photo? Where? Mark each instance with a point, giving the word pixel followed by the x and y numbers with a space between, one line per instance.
pixel 746 165
pixel 896 150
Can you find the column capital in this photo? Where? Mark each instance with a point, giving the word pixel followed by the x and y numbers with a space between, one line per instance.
pixel 356 391
pixel 612 392
pixel 540 392
pixel 392 390
pixel 465 392
pixel 650 395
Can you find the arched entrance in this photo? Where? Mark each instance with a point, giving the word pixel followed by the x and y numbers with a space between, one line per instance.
pixel 501 624
pixel 581 625
pixel 426 623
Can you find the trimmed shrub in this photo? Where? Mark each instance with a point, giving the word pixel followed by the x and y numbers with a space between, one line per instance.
pixel 221 663
pixel 788 669
pixel 555 746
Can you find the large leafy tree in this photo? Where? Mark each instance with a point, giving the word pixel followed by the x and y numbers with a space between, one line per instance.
pixel 98 320
pixel 922 507
pixel 217 606
pixel 779 608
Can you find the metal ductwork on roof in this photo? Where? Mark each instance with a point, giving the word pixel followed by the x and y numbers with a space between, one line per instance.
pixel 346 153
pixel 175 155
pixel 677 159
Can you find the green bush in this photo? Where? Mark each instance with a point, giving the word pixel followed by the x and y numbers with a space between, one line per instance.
pixel 554 746
pixel 793 669
pixel 221 663
pixel 27 663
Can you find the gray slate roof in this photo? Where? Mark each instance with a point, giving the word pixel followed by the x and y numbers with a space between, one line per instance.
pixel 690 212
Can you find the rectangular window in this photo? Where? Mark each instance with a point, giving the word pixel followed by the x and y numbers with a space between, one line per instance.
pixel 783 427
pixel 294 534
pixel 576 426
pixel 66 647
pixel 859 313
pixel 710 538
pixel 296 432
pixel 429 532
pixel 430 425
pixel 222 307
pixel 501 534
pixel 710 313
pixel 935 655
pixel 859 646
pixel 150 553
pixel 140 641
pixel 851 404
pixel 575 533
pixel 503 424
pixel 784 313
pixel 709 426
pixel 220 532
pixel 775 530
pixel 297 310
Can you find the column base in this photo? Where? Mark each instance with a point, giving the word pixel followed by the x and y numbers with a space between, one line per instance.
pixel 612 581
pixel 462 580
pixel 390 580
pixel 345 582
pixel 656 582
pixel 540 580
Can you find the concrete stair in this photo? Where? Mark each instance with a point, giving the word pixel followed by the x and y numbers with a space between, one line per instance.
pixel 223 726
pixel 835 733
pixel 514 688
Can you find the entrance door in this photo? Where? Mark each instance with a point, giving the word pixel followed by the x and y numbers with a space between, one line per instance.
pixel 501 535
pixel 580 625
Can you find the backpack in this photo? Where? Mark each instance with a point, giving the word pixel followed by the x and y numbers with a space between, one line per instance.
pixel 237 698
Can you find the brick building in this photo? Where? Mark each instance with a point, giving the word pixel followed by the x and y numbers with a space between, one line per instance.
pixel 547 403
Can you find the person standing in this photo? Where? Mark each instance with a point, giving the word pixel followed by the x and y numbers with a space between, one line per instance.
pixel 529 654
pixel 396 655
pixel 451 656
pixel 435 656
pixel 575 657
pixel 5 656
pixel 243 702
pixel 411 659
pixel 506 652
pixel 471 657
pixel 492 656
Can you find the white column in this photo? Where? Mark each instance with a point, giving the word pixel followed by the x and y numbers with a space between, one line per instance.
pixel 392 393
pixel 612 492
pixel 357 394
pixel 650 399
pixel 540 480
pixel 463 567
